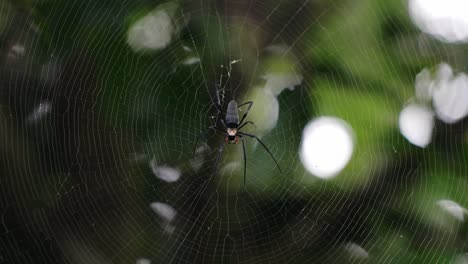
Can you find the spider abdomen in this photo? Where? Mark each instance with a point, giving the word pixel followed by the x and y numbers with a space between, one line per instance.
pixel 232 116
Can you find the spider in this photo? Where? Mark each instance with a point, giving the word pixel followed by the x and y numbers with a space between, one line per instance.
pixel 232 133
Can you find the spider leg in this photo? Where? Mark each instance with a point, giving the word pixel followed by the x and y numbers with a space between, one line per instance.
pixel 224 124
pixel 213 122
pixel 220 149
pixel 247 122
pixel 219 108
pixel 218 101
pixel 250 103
pixel 204 134
pixel 263 145
pixel 245 159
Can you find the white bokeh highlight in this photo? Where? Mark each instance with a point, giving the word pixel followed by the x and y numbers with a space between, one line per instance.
pixel 151 32
pixel 191 60
pixel 197 162
pixel 424 86
pixel 17 51
pixel 230 167
pixel 51 70
pixel 445 20
pixel 39 112
pixel 356 250
pixel 165 173
pixel 326 147
pixel 416 124
pixel 143 261
pixel 277 82
pixel 266 109
pixel 460 259
pixel 453 208
pixel 165 211
pixel 267 97
pixel 447 92
pixel 450 97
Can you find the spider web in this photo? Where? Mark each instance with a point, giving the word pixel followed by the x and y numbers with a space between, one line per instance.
pixel 102 103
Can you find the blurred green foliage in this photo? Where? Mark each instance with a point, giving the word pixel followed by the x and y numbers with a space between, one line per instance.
pixel 77 186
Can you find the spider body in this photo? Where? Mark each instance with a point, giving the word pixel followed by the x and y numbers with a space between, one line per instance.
pixel 232 123
pixel 231 136
pixel 232 116
pixel 232 132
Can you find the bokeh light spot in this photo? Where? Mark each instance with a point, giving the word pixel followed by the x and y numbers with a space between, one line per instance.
pixel 448 93
pixel 453 208
pixel 326 147
pixel 277 82
pixel 450 97
pixel 152 32
pixel 165 173
pixel 143 261
pixel 39 112
pixel 165 211
pixel 446 20
pixel 356 250
pixel 416 124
